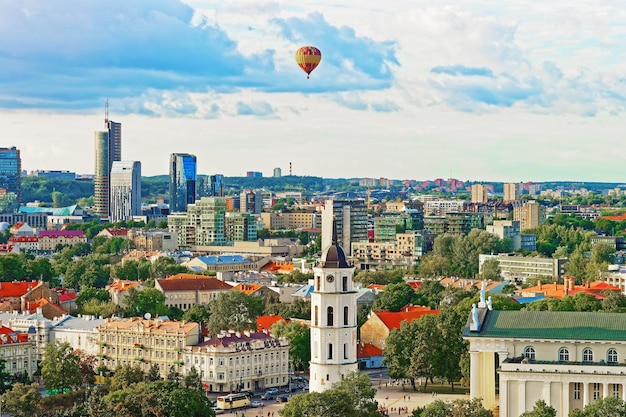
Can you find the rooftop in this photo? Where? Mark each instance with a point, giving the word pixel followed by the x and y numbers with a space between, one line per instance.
pixel 393 319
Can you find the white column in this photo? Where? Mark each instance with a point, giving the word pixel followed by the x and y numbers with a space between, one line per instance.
pixel 565 400
pixel 623 388
pixel 546 392
pixel 585 393
pixel 522 396
pixel 474 375
pixel 605 389
pixel 504 397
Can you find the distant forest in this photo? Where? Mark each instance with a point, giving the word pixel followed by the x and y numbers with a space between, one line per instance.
pixel 70 192
pixel 67 192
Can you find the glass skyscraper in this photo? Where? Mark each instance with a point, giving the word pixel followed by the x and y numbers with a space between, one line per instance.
pixel 182 181
pixel 10 176
pixel 125 190
pixel 108 148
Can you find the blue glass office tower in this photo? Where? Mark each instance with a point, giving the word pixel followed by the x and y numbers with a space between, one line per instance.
pixel 11 174
pixel 182 181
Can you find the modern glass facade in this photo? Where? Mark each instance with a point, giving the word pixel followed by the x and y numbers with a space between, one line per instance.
pixel 125 190
pixel 11 175
pixel 182 181
pixel 101 174
pixel 115 141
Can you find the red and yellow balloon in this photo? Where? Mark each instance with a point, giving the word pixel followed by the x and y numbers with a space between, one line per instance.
pixel 308 58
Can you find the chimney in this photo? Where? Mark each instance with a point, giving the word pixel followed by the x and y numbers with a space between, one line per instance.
pixel 539 284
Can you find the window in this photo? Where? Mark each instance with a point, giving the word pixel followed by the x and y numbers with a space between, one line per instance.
pixel 529 352
pixel 317 283
pixel 316 311
pixel 563 355
pixel 330 351
pixel 611 356
pixel 329 316
pixel 596 390
pixel 345 316
pixel 616 390
pixel 345 351
pixel 577 387
pixel 345 283
pixel 587 355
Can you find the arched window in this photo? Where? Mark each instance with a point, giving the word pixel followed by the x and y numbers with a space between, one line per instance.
pixel 329 316
pixel 345 283
pixel 587 355
pixel 316 312
pixel 317 283
pixel 345 316
pixel 563 355
pixel 611 356
pixel 529 352
pixel 330 351
pixel 345 351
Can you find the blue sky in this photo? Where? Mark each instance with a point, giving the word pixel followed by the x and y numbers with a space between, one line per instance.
pixel 478 90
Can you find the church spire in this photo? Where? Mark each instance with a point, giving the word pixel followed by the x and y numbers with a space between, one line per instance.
pixel 334 256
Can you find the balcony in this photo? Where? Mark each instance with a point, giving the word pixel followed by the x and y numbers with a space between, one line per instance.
pixel 101 357
pixel 179 363
pixel 138 359
pixel 138 346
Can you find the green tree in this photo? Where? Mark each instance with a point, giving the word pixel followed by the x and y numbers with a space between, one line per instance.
pixel 394 297
pixel 359 388
pixel 98 308
pixel 192 379
pixel 21 400
pixel 233 310
pixel 541 409
pixel 165 266
pixel 60 367
pixel 614 302
pixel 5 377
pixel 437 408
pixel 491 270
pixel 148 300
pixel 125 376
pixel 299 338
pixel 198 313
pixel 153 374
pixel 602 407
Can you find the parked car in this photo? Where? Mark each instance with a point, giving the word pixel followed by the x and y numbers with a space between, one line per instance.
pixel 267 396
pixel 282 398
pixel 273 390
pixel 255 404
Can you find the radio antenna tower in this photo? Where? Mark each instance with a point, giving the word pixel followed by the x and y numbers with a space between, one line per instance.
pixel 106 112
pixel 290 169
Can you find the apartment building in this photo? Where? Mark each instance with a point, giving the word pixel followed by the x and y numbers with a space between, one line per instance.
pixel 245 361
pixel 145 342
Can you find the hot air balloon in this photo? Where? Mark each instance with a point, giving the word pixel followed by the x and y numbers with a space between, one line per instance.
pixel 308 58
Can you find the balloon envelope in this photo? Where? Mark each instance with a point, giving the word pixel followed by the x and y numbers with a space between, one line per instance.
pixel 308 58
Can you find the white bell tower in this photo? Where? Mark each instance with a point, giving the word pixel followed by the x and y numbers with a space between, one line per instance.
pixel 333 319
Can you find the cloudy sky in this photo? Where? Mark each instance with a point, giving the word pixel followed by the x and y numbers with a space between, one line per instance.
pixel 473 89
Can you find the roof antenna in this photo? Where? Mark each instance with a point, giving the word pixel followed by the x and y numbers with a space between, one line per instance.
pixel 106 112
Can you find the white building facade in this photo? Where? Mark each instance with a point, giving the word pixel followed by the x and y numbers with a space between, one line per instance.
pixel 567 359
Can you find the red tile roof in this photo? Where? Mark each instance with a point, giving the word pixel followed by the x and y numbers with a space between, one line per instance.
pixel 11 336
pixel 265 323
pixel 367 350
pixel 16 289
pixel 200 283
pixel 117 232
pixel 23 239
pixel 392 319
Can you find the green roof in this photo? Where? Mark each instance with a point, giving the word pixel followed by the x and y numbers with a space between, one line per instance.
pixel 60 211
pixel 567 325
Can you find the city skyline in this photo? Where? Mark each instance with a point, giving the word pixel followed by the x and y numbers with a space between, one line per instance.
pixel 521 91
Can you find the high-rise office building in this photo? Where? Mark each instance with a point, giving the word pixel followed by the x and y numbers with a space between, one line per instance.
pixel 125 190
pixel 182 181
pixel 11 176
pixel 351 221
pixel 217 185
pixel 108 148
pixel 278 173
pixel 101 174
